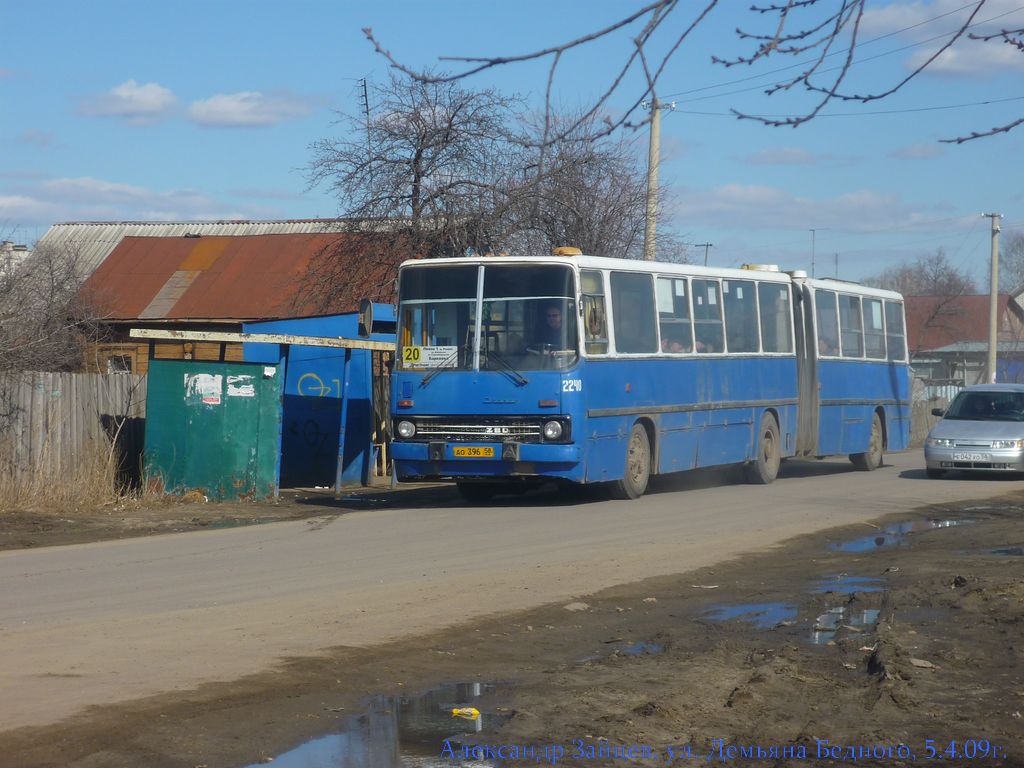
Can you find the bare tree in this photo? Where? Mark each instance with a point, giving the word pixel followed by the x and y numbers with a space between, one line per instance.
pixel 938 284
pixel 931 275
pixel 44 322
pixel 591 194
pixel 442 171
pixel 1011 262
pixel 430 163
pixel 45 325
pixel 821 35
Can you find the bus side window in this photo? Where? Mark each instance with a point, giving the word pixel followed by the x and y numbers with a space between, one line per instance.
pixel 827 322
pixel 740 305
pixel 707 316
pixel 776 332
pixel 674 316
pixel 633 313
pixel 850 326
pixel 595 316
pixel 894 336
pixel 874 330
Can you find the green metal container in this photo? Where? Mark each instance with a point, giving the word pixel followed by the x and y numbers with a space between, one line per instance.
pixel 214 428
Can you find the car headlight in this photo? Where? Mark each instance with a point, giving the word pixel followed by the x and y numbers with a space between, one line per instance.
pixel 552 430
pixel 940 442
pixel 1008 443
pixel 406 429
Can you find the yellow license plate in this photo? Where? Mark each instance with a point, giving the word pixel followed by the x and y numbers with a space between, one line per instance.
pixel 473 452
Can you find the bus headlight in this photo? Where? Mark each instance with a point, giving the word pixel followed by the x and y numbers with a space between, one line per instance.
pixel 406 429
pixel 552 430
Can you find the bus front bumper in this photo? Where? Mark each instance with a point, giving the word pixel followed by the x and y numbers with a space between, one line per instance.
pixel 446 460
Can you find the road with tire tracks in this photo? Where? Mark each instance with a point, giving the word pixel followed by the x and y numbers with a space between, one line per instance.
pixel 108 622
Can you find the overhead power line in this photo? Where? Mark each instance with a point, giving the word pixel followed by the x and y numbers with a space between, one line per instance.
pixel 769 73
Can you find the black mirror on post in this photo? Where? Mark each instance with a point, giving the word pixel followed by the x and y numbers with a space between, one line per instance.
pixel 365 318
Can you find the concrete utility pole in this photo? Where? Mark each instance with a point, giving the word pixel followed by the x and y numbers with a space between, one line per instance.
pixel 813 231
pixel 653 154
pixel 993 299
pixel 366 111
pixel 705 246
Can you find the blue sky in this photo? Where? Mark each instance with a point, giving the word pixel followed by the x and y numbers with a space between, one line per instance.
pixel 205 110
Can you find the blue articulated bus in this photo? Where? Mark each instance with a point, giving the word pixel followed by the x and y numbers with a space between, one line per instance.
pixel 585 369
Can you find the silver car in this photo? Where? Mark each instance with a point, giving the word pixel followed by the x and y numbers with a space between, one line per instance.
pixel 982 430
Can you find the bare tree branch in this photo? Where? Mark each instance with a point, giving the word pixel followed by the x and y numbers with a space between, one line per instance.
pixel 825 35
pixel 446 175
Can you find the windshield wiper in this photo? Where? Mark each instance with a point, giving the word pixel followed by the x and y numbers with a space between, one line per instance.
pixel 442 366
pixel 508 369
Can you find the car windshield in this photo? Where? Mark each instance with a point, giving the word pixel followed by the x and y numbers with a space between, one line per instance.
pixel 987 406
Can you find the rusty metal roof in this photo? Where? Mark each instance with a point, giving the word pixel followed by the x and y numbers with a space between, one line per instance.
pixel 93 241
pixel 244 277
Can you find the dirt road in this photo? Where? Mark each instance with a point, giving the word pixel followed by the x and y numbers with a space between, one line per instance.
pixel 362 598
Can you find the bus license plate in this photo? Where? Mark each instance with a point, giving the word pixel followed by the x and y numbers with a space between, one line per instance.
pixel 970 457
pixel 473 452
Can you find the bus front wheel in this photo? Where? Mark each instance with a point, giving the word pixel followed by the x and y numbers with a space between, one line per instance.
pixel 638 465
pixel 765 467
pixel 872 457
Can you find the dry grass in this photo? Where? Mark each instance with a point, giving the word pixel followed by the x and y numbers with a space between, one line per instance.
pixel 51 484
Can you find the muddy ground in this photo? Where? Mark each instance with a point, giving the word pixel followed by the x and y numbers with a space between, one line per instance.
pixel 927 650
pixel 27 528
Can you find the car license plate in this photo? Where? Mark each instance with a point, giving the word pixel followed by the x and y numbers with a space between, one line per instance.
pixel 970 457
pixel 473 452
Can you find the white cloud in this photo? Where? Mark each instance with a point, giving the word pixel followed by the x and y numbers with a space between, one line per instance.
pixel 783 156
pixel 972 58
pixel 917 152
pixel 247 109
pixel 41 202
pixel 24 210
pixel 919 21
pixel 138 104
pixel 35 137
pixel 765 207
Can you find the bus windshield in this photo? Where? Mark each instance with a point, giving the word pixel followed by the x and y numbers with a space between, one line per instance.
pixel 528 317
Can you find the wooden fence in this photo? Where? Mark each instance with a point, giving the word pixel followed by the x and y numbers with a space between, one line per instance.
pixel 50 421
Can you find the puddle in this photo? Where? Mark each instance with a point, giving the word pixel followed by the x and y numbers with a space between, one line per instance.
pixel 1008 551
pixel 847 585
pixel 642 648
pixel 761 615
pixel 895 535
pixel 827 625
pixel 398 731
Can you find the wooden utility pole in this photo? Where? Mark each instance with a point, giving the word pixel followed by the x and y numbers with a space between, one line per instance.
pixel 993 299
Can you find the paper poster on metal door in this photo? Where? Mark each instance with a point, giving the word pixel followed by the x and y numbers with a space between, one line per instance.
pixel 205 387
pixel 241 386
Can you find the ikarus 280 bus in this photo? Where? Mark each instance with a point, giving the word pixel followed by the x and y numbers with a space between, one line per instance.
pixel 586 369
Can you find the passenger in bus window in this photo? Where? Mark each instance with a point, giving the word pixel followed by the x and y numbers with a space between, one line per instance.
pixel 672 345
pixel 827 348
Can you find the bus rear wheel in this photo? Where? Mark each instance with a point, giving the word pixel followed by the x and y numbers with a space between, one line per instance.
pixel 638 465
pixel 765 466
pixel 872 457
pixel 477 493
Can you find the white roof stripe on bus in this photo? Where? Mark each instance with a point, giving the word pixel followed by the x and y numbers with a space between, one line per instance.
pixel 600 262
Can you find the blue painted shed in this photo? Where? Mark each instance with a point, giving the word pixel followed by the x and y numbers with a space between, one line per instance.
pixel 316 384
